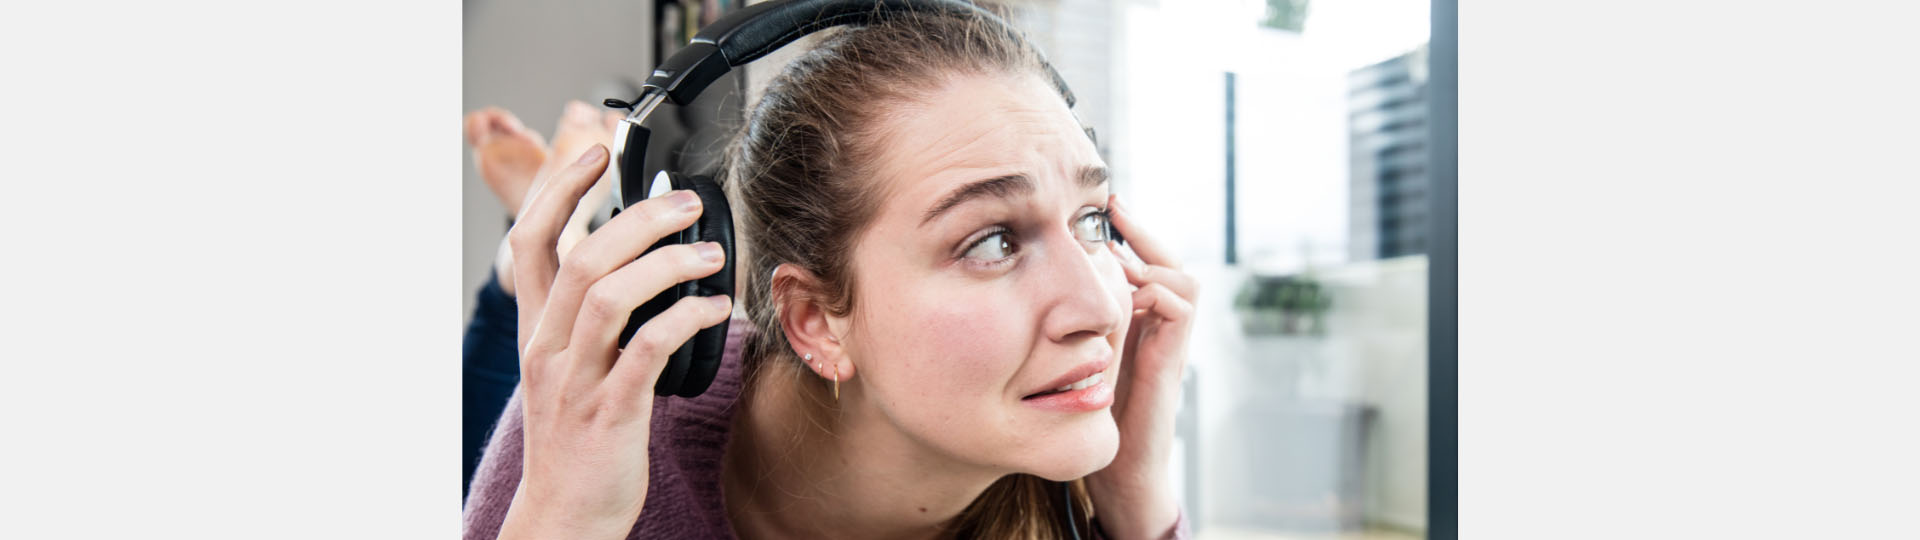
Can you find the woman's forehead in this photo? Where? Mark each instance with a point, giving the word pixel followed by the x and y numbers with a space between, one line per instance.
pixel 980 126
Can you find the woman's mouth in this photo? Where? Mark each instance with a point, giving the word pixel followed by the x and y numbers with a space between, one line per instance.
pixel 1076 385
pixel 1090 394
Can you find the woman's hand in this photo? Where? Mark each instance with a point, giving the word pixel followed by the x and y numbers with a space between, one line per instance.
pixel 587 401
pixel 1133 497
pixel 511 157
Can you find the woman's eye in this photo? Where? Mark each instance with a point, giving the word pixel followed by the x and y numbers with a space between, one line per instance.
pixel 993 247
pixel 1091 227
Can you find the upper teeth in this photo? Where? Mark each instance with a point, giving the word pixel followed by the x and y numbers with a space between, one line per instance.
pixel 1089 381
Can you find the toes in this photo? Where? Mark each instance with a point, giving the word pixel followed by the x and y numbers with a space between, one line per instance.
pixel 581 126
pixel 510 127
pixel 508 155
pixel 479 126
pixel 581 114
pixel 483 125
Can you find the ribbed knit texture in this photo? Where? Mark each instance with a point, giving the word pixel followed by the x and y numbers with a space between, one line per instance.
pixel 688 439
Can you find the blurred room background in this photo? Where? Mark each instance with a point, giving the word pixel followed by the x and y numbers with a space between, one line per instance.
pixel 1278 145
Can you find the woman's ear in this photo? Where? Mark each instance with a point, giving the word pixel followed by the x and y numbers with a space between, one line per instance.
pixel 810 329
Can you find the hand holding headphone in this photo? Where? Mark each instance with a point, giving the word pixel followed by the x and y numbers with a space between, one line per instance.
pixel 686 221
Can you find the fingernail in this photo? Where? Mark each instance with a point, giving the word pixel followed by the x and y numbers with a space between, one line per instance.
pixel 720 301
pixel 591 155
pixel 685 200
pixel 709 251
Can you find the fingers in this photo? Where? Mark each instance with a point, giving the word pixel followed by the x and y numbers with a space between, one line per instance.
pixel 1142 243
pixel 1159 300
pixel 1140 274
pixel 615 245
pixel 535 234
pixel 640 363
pixel 610 301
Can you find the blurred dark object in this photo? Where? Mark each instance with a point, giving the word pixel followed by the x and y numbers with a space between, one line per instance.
pixel 1277 305
pixel 1290 15
pixel 1390 184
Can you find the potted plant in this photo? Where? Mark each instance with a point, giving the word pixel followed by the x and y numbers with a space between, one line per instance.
pixel 1278 305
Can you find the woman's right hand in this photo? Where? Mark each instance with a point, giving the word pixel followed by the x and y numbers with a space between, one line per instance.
pixel 588 401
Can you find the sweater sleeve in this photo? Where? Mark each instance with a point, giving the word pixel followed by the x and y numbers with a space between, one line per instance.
pixel 685 450
pixel 497 477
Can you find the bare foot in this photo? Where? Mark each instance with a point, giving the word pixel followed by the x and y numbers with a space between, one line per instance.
pixel 508 154
pixel 581 127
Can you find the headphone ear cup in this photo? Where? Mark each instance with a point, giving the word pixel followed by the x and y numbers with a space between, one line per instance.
pixel 681 360
pixel 682 357
pixel 715 225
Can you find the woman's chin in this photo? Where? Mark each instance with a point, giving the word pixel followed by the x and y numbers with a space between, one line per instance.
pixel 1081 449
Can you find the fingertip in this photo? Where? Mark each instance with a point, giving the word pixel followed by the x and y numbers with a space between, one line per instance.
pixel 592 155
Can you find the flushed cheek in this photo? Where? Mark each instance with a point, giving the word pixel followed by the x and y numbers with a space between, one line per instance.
pixel 951 350
pixel 970 340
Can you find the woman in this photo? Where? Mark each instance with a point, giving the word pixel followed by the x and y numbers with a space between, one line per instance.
pixel 927 269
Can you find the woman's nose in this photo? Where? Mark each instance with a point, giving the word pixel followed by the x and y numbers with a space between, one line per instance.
pixel 1078 291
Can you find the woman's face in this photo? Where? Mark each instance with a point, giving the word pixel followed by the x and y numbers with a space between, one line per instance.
pixel 984 279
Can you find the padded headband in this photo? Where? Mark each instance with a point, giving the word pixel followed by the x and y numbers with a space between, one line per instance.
pixel 752 32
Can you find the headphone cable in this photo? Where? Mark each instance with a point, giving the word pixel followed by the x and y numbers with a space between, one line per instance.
pixel 1066 500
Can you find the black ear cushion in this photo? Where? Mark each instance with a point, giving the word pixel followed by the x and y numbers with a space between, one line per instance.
pixel 715 225
pixel 681 358
pixel 692 366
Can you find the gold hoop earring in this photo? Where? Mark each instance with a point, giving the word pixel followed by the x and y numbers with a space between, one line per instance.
pixel 836 382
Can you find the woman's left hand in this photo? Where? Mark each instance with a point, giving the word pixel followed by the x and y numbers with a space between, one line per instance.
pixel 1133 497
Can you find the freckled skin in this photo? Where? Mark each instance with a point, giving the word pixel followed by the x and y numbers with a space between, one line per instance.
pixel 946 350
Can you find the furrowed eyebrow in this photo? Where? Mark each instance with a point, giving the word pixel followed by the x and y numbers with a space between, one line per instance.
pixel 1093 176
pixel 1004 186
pixel 999 186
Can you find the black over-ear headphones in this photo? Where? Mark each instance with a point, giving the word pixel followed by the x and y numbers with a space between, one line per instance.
pixel 736 39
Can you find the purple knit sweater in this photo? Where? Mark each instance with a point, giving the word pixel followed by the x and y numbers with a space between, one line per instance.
pixel 689 438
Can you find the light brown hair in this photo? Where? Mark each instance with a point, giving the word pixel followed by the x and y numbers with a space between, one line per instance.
pixel 800 169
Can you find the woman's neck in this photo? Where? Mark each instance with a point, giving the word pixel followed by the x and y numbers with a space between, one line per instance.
pixel 793 470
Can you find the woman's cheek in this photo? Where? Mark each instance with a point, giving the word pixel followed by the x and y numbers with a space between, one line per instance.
pixel 957 345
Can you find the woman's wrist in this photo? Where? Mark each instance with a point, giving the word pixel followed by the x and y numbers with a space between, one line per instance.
pixel 527 520
pixel 1143 509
